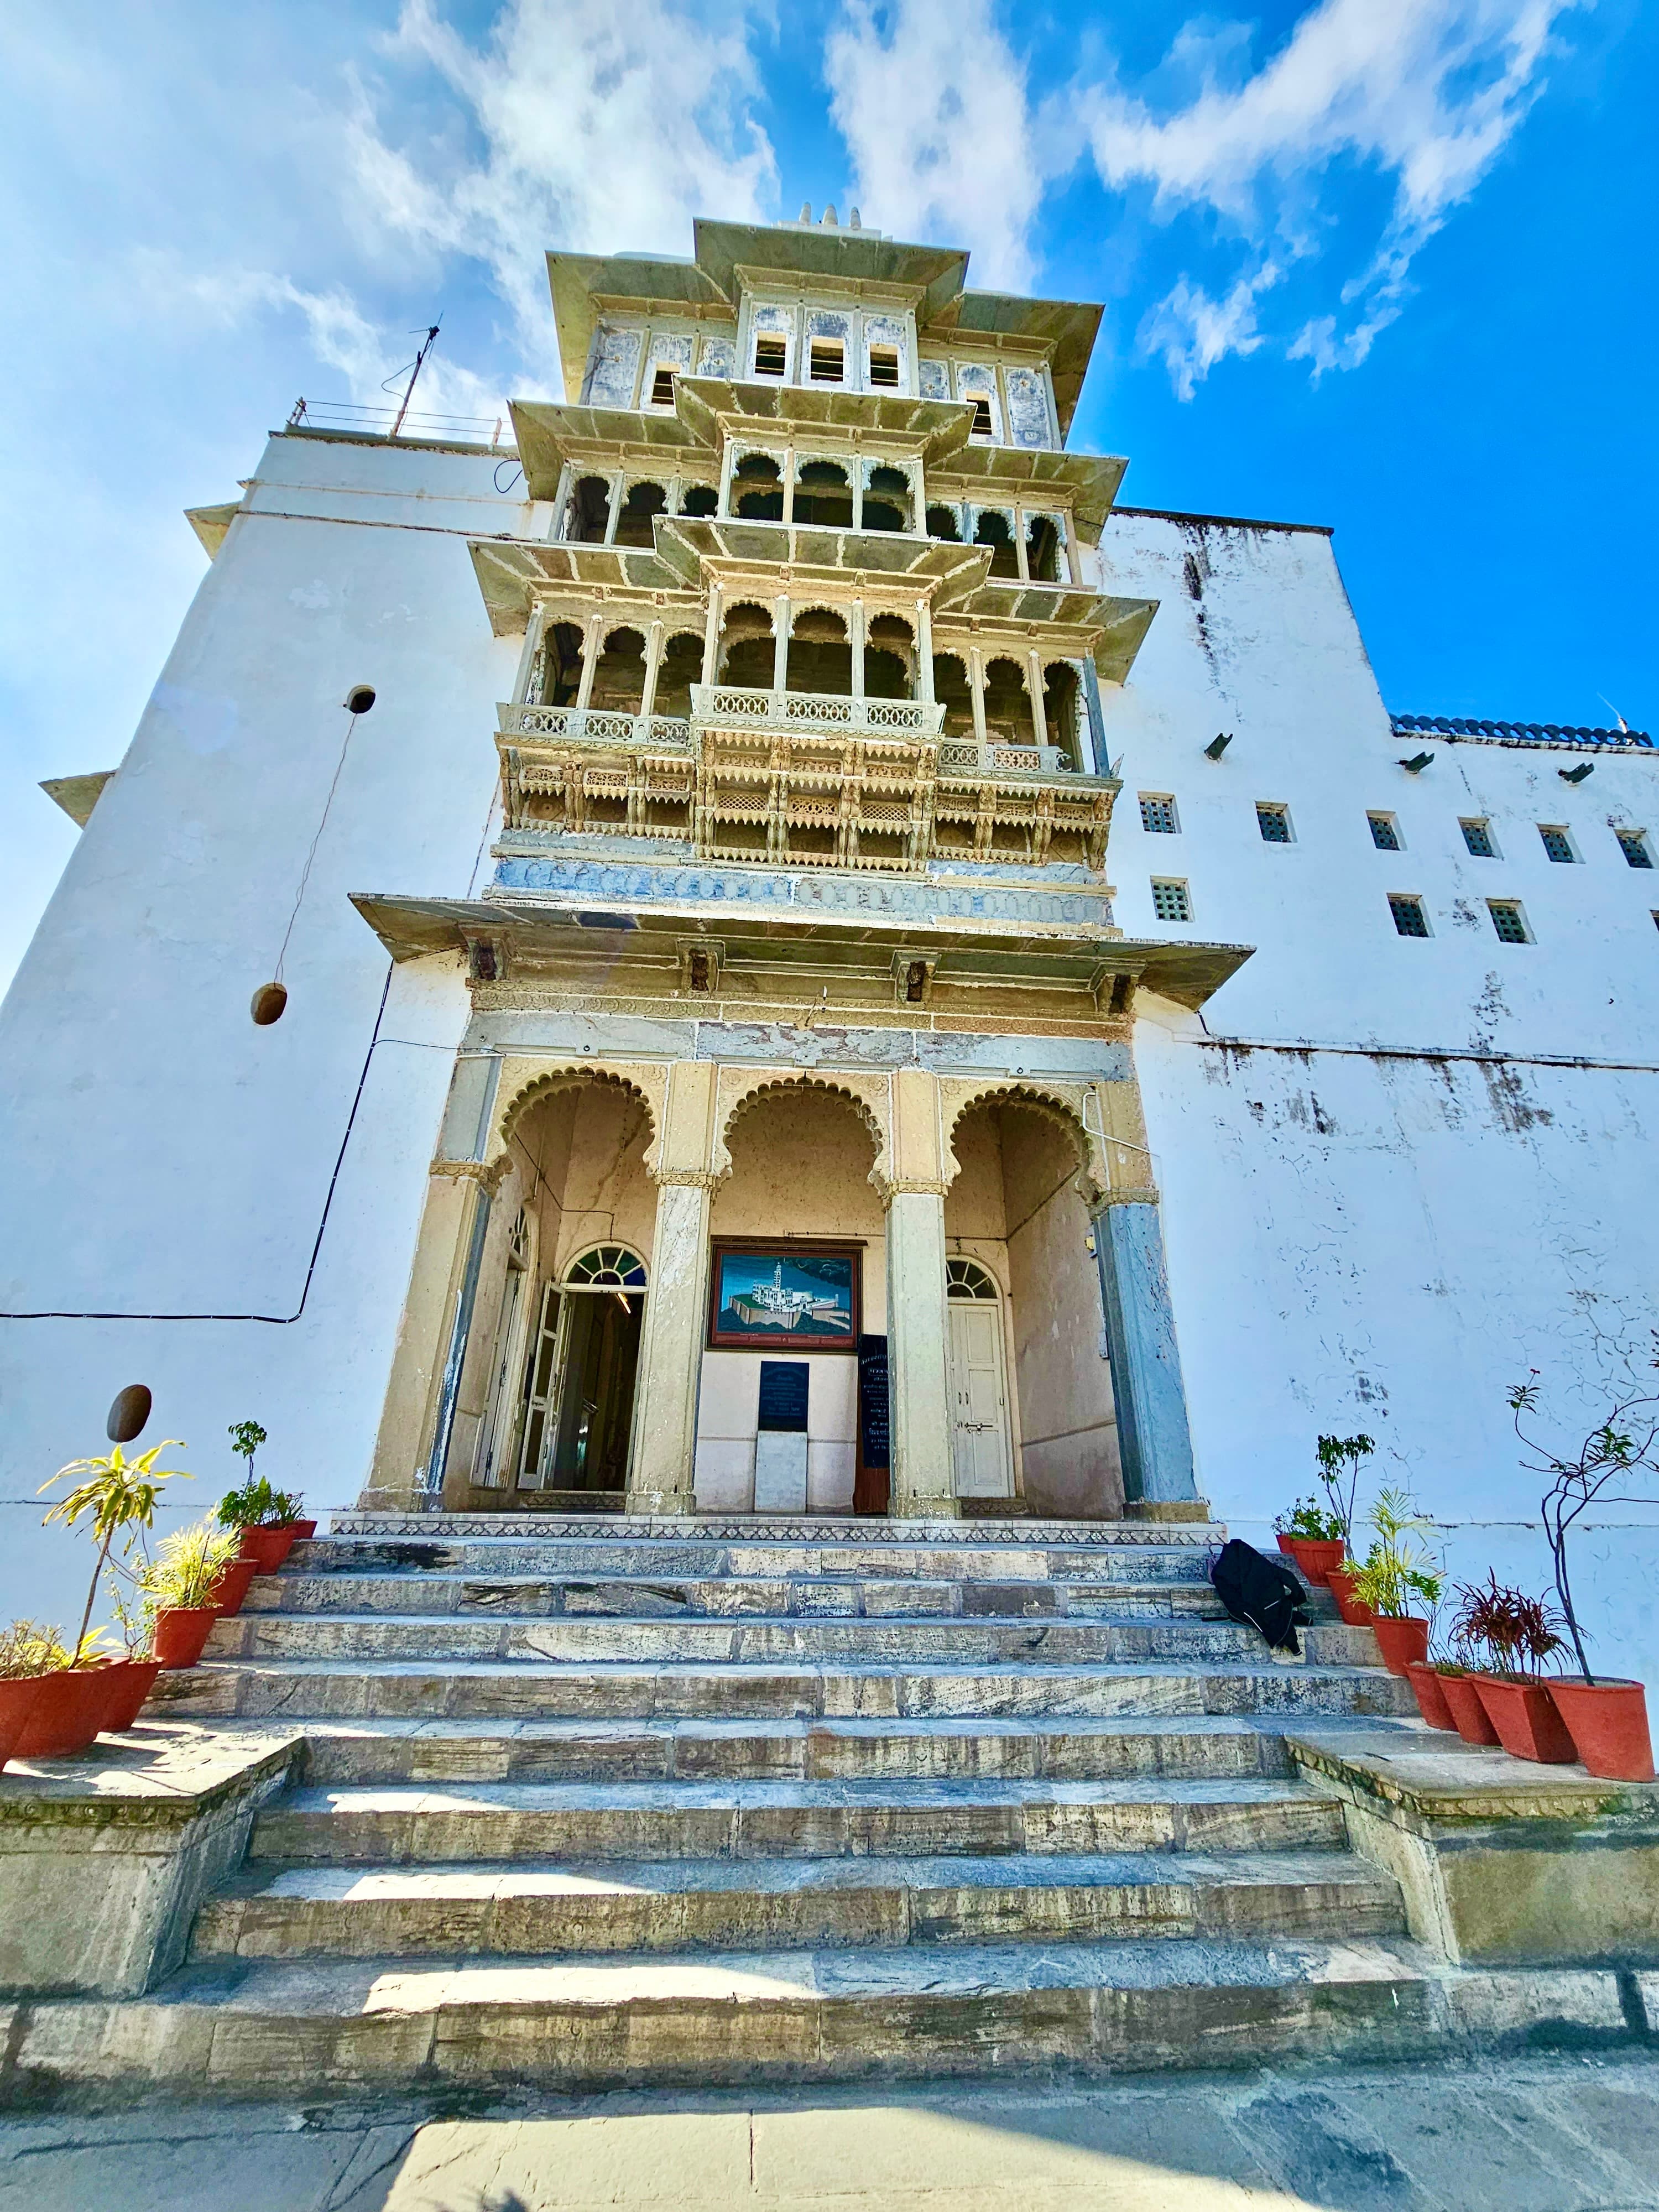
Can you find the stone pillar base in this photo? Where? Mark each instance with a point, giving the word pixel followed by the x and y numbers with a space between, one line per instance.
pixel 1166 1509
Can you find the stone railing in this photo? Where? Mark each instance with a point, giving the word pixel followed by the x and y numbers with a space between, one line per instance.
pixel 734 707
pixel 596 725
pixel 966 756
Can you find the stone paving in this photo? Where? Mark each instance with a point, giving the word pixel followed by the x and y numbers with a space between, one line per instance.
pixel 1561 2133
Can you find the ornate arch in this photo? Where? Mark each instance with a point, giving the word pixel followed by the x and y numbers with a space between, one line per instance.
pixel 739 1088
pixel 525 1082
pixel 1065 1104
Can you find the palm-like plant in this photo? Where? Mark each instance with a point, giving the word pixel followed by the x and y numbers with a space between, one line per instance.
pixel 28 1649
pixel 1395 1569
pixel 186 1566
pixel 118 1494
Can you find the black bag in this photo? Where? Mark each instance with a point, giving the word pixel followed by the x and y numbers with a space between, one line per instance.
pixel 1262 1593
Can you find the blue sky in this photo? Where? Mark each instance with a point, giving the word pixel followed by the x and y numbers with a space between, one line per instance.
pixel 1386 265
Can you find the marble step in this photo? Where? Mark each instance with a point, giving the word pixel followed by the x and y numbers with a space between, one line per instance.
pixel 398 1825
pixel 341 1688
pixel 326 2027
pixel 580 1641
pixel 611 1907
pixel 822 1751
pixel 512 1550
pixel 638 1597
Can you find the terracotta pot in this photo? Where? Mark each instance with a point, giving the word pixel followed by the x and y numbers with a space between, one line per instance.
pixel 1315 1556
pixel 1430 1690
pixel 1521 1709
pixel 131 1682
pixel 303 1531
pixel 1287 1544
pixel 267 1547
pixel 1608 1724
pixel 1468 1714
pixel 16 1703
pixel 181 1631
pixel 1340 1581
pixel 68 1713
pixel 1400 1639
pixel 230 1591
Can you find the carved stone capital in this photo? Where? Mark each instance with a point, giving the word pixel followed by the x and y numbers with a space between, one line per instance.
pixel 487 1173
pixel 893 1186
pixel 689 1178
pixel 1144 1193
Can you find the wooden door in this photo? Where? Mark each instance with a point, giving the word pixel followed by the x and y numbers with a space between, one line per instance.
pixel 980 1450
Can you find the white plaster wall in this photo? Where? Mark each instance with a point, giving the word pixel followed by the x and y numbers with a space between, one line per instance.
pixel 158 1154
pixel 1359 1241
pixel 728 1419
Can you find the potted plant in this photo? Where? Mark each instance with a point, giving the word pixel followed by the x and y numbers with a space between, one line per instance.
pixel 132 1677
pixel 1457 1687
pixel 114 1497
pixel 180 1582
pixel 1394 1572
pixel 1606 1716
pixel 1312 1536
pixel 28 1655
pixel 1339 1459
pixel 267 1520
pixel 1428 1682
pixel 1511 1627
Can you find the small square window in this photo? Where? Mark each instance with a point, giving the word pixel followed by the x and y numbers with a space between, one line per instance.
pixel 1477 835
pixel 981 423
pixel 1273 823
pixel 1170 900
pixel 1157 813
pixel 1633 844
pixel 662 388
pixel 1409 918
pixel 1509 921
pixel 1557 843
pixel 884 366
pixel 771 356
pixel 824 364
pixel 1385 832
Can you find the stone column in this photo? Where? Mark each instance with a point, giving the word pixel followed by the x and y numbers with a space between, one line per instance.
pixel 976 685
pixel 855 641
pixel 924 653
pixel 711 637
pixel 663 1450
pixel 1154 1441
pixel 592 646
pixel 923 1486
pixel 653 664
pixel 781 643
pixel 1039 712
pixel 1098 764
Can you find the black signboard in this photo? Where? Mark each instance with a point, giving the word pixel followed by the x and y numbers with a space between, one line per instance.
pixel 783 1388
pixel 873 1447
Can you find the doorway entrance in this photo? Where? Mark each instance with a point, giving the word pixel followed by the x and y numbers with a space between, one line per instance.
pixel 576 1382
pixel 978 1394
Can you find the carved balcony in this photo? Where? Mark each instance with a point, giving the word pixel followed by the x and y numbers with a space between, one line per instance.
pixel 728 707
pixel 595 726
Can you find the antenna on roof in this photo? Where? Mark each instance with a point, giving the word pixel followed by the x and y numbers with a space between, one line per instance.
pixel 427 344
pixel 1615 711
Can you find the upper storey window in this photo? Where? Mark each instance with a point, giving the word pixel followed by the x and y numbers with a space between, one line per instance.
pixel 827 360
pixel 883 368
pixel 771 355
pixel 976 383
pixel 662 387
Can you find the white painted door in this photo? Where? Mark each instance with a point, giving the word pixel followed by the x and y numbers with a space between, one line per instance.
pixel 979 1403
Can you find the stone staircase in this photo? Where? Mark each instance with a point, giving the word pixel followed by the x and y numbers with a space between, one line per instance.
pixel 599 1801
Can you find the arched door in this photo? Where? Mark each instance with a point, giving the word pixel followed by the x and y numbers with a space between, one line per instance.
pixel 579 1379
pixel 981 1454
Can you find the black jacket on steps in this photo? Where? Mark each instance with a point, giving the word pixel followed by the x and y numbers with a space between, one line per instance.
pixel 1262 1593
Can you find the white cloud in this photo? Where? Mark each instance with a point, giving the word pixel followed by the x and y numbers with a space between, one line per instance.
pixel 601 128
pixel 1423 92
pixel 933 104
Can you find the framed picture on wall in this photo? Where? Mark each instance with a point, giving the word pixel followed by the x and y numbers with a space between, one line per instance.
pixel 778 1293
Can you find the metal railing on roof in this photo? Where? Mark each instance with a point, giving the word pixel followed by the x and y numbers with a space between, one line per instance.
pixel 495 432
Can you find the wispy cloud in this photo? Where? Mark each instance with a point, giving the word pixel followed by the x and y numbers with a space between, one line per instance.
pixel 581 124
pixel 1424 95
pixel 932 101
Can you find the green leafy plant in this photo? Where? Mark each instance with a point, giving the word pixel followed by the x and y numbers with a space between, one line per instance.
pixel 1395 1569
pixel 1621 1450
pixel 1506 1623
pixel 1309 1521
pixel 186 1566
pixel 246 1438
pixel 257 1505
pixel 136 1624
pixel 119 1497
pixel 1338 1460
pixel 28 1649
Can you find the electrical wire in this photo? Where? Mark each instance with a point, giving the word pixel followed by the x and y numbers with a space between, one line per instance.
pixel 279 1320
pixel 305 872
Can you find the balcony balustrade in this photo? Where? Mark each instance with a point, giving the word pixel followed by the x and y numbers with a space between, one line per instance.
pixel 596 725
pixel 730 707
